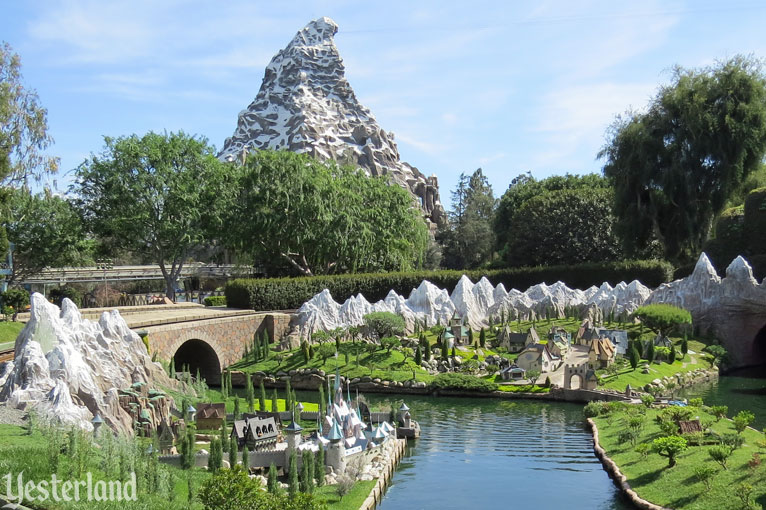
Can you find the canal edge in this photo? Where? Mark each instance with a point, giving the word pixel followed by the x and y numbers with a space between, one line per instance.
pixel 620 480
pixel 376 494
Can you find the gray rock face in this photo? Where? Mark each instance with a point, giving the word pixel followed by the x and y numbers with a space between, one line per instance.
pixel 305 104
pixel 733 308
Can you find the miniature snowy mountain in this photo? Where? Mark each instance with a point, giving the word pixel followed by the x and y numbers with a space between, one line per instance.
pixel 305 104
pixel 68 368
pixel 476 304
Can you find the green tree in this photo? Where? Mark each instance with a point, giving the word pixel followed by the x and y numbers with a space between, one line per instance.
pixel 17 299
pixel 250 396
pixel 23 128
pixel 482 338
pixel 672 354
pixel 663 319
pixel 634 357
pixel 245 459
pixel 533 375
pixel 45 230
pixel 650 352
pixel 326 351
pixel 742 420
pixel 418 356
pixel 468 238
pixel 675 165
pixel 719 412
pixel 388 343
pixel 705 475
pixel 670 447
pixel 684 347
pixel 262 396
pixel 159 196
pixel 319 469
pixel 564 227
pixel 274 402
pixel 720 454
pixel 233 451
pixel 307 472
pixel 292 477
pixel 320 218
pixel 224 438
pixel 237 413
pixel 384 324
pixel 215 456
pixel 273 481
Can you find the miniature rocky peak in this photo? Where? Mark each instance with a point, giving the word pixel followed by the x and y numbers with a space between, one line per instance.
pixel 68 369
pixel 306 105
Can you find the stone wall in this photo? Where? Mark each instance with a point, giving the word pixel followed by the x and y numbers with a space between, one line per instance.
pixel 228 336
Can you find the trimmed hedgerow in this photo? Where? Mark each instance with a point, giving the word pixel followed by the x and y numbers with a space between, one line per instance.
pixel 215 301
pixel 462 382
pixel 291 293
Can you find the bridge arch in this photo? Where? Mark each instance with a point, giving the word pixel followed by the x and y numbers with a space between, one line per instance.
pixel 199 351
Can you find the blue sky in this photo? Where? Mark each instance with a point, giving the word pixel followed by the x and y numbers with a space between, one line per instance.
pixel 507 86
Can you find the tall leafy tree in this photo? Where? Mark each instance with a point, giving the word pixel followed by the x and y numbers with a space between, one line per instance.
pixel 45 231
pixel 675 166
pixel 564 227
pixel 468 238
pixel 160 195
pixel 321 218
pixel 525 187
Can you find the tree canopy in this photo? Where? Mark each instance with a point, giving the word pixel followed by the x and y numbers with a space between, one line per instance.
pixel 45 230
pixel 675 166
pixel 322 218
pixel 160 195
pixel 468 237
pixel 569 226
pixel 662 318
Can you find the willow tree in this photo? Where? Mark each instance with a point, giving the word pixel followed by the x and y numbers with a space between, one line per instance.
pixel 321 218
pixel 675 165
pixel 160 196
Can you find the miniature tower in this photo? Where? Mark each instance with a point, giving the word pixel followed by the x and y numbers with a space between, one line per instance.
pixel 404 415
pixel 336 451
pixel 97 421
pixel 293 435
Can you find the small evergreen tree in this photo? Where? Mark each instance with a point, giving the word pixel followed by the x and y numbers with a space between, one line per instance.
pixel 262 397
pixel 273 483
pixel 650 352
pixel 684 347
pixel 470 336
pixel 224 387
pixel 319 468
pixel 228 381
pixel 418 356
pixel 236 407
pixel 223 438
pixel 453 352
pixel 288 396
pixel 274 402
pixel 307 472
pixel 256 347
pixel 483 338
pixel 292 477
pixel 265 345
pixel 672 355
pixel 321 400
pixel 249 393
pixel 634 357
pixel 215 456
pixel 246 459
pixel 233 451
pixel 427 352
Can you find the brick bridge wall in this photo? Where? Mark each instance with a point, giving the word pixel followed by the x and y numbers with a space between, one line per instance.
pixel 228 336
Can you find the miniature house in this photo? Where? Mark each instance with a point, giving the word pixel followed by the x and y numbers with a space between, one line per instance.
pixel 210 416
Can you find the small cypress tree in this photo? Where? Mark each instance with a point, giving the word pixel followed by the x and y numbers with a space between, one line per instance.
pixel 265 341
pixel 548 382
pixel 228 381
pixel 684 347
pixel 233 450
pixel 427 352
pixel 224 387
pixel 256 347
pixel 215 456
pixel 223 438
pixel 305 351
pixel 672 355
pixel 246 459
pixel 453 352
pixel 236 407
pixel 650 352
pixel 273 483
pixel 470 336
pixel 634 357
pixel 249 393
pixel 482 338
pixel 262 398
pixel 292 477
pixel 288 396
pixel 307 472
pixel 319 468
pixel 418 356
pixel 322 403
pixel 274 402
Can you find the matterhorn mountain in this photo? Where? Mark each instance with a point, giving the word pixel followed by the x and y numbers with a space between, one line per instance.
pixel 306 105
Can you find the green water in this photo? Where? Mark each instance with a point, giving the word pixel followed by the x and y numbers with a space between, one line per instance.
pixel 493 454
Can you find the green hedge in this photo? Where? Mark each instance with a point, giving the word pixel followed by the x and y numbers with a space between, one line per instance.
pixel 463 382
pixel 291 293
pixel 215 301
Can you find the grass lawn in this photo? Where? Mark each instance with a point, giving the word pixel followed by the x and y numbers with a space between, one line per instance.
pixel 677 487
pixel 383 364
pixel 657 370
pixel 8 333
pixel 13 435
pixel 523 388
pixel 351 501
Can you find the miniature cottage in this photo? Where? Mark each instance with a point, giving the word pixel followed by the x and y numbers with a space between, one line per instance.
pixel 601 353
pixel 210 416
pixel 537 357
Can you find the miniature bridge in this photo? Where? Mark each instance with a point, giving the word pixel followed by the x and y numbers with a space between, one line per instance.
pixel 204 338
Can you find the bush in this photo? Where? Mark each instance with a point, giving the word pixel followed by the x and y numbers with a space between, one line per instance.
pixel 291 293
pixel 596 408
pixel 215 301
pixel 463 382
pixel 58 294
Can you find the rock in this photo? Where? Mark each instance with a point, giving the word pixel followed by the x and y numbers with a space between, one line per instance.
pixel 69 368
pixel 306 105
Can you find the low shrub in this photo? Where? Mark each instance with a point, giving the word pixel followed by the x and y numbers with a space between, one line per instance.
pixel 291 293
pixel 596 408
pixel 215 301
pixel 57 295
pixel 462 382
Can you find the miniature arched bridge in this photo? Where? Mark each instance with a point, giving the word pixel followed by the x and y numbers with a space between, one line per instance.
pixel 204 338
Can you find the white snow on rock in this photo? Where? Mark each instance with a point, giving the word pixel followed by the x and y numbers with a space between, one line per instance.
pixel 475 303
pixel 68 368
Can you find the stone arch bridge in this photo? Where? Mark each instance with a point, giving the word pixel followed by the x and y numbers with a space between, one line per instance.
pixel 205 338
